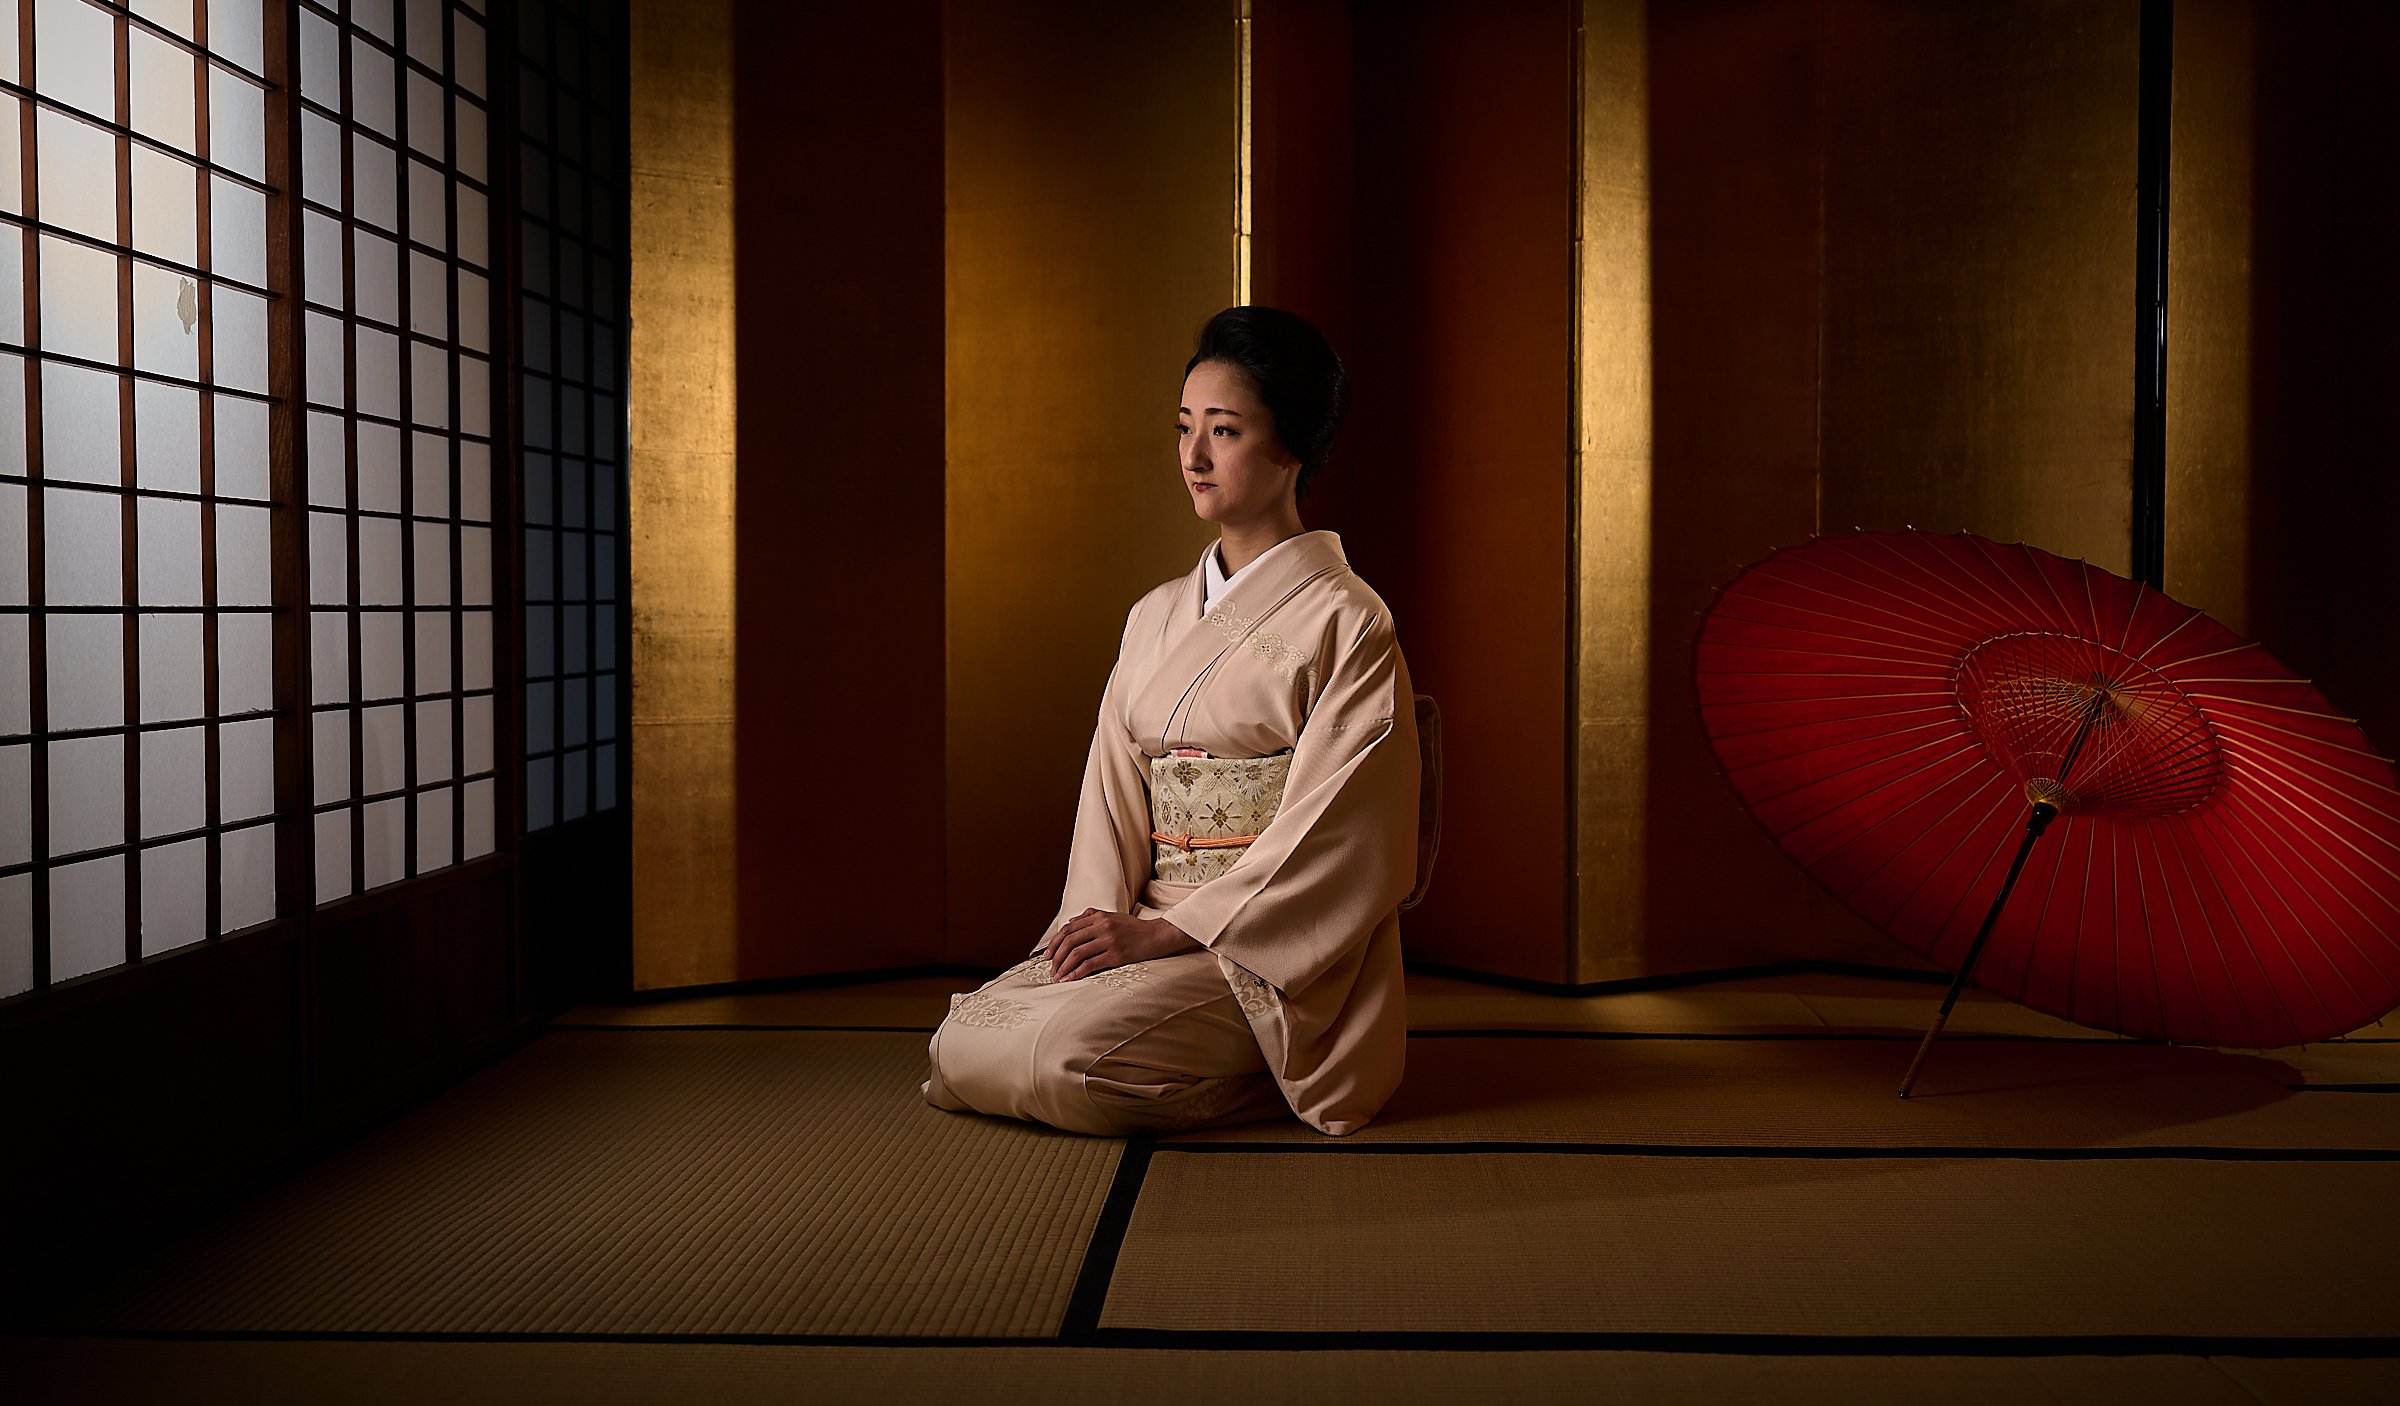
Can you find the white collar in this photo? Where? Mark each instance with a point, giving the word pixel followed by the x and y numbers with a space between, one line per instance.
pixel 1218 583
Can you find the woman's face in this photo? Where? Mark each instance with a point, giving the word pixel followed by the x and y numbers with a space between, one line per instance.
pixel 1233 465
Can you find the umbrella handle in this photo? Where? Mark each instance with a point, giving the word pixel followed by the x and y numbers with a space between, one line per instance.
pixel 2043 814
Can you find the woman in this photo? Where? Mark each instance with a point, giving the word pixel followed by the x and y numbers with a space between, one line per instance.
pixel 1229 941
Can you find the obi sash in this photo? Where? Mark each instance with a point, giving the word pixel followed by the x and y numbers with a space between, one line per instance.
pixel 1205 810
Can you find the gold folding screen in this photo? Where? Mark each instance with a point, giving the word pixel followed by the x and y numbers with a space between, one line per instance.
pixel 680 494
pixel 1091 199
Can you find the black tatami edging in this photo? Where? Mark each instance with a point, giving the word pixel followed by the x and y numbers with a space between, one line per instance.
pixel 1090 1294
pixel 1420 1340
pixel 1515 1147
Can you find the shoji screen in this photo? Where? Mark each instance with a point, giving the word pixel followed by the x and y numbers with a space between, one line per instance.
pixel 396 355
pixel 136 717
pixel 571 250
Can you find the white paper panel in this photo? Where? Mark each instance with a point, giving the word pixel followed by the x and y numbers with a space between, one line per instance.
pixel 242 464
pixel 379 562
pixel 329 656
pixel 174 896
pixel 245 770
pixel 87 793
pixel 174 15
pixel 424 32
pixel 468 46
pixel 320 59
pixel 16 678
pixel 433 741
pixel 386 841
pixel 245 559
pixel 16 803
pixel 166 321
pixel 604 778
pixel 79 295
pixel 604 707
pixel 16 934
pixel 575 713
pixel 474 312
pixel 174 781
pixel 429 475
pixel 541 635
pixel 328 558
pixel 472 140
pixel 377 274
pixel 245 663
pixel 166 207
pixel 167 551
pixel 87 918
pixel 238 339
pixel 321 266
pixel 233 30
pixel 12 286
pixel 428 208
pixel 432 565
pixel 237 221
pixel 541 568
pixel 162 102
pixel 173 681
pixel 320 160
pixel 382 749
pixel 333 855
pixel 378 468
pixel 380 655
pixel 328 461
pixel 476 842
pixel 237 126
pixel 541 782
pixel 8 41
pixel 75 48
pixel 246 890
pixel 375 17
pixel 475 649
pixel 474 225
pixel 432 652
pixel 371 86
pixel 378 373
pixel 474 481
pixel 434 830
pixel 429 370
pixel 374 182
pixel 86 680
pixel 428 295
pixel 329 748
pixel 15 556
pixel 425 107
pixel 604 629
pixel 82 532
pixel 475 735
pixel 322 339
pixel 541 716
pixel 166 437
pixel 474 395
pixel 13 117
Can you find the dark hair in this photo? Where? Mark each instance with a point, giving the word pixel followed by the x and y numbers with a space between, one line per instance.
pixel 1292 368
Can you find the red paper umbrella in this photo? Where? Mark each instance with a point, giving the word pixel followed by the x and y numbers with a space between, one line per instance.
pixel 1907 713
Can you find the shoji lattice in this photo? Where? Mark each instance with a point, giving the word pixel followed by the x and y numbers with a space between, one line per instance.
pixel 397 366
pixel 571 248
pixel 136 709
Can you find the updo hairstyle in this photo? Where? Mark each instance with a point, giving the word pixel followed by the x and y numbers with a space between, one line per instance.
pixel 1292 368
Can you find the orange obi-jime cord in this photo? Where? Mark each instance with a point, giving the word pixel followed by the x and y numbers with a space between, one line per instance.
pixel 1185 840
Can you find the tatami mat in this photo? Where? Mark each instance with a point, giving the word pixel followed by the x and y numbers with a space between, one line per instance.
pixel 1843 1093
pixel 1529 1242
pixel 658 1182
pixel 607 1374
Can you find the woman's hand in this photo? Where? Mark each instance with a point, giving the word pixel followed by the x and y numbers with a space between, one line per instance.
pixel 1094 941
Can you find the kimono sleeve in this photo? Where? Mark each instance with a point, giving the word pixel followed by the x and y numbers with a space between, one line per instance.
pixel 1340 853
pixel 1109 860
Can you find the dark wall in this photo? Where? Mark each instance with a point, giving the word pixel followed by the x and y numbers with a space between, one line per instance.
pixel 839 447
pixel 1450 483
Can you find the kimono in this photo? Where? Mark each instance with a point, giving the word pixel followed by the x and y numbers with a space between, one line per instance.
pixel 1295 998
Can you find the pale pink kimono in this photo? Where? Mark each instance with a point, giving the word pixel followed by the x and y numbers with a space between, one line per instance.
pixel 1297 1001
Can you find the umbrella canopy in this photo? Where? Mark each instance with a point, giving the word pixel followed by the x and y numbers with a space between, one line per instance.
pixel 2225 864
